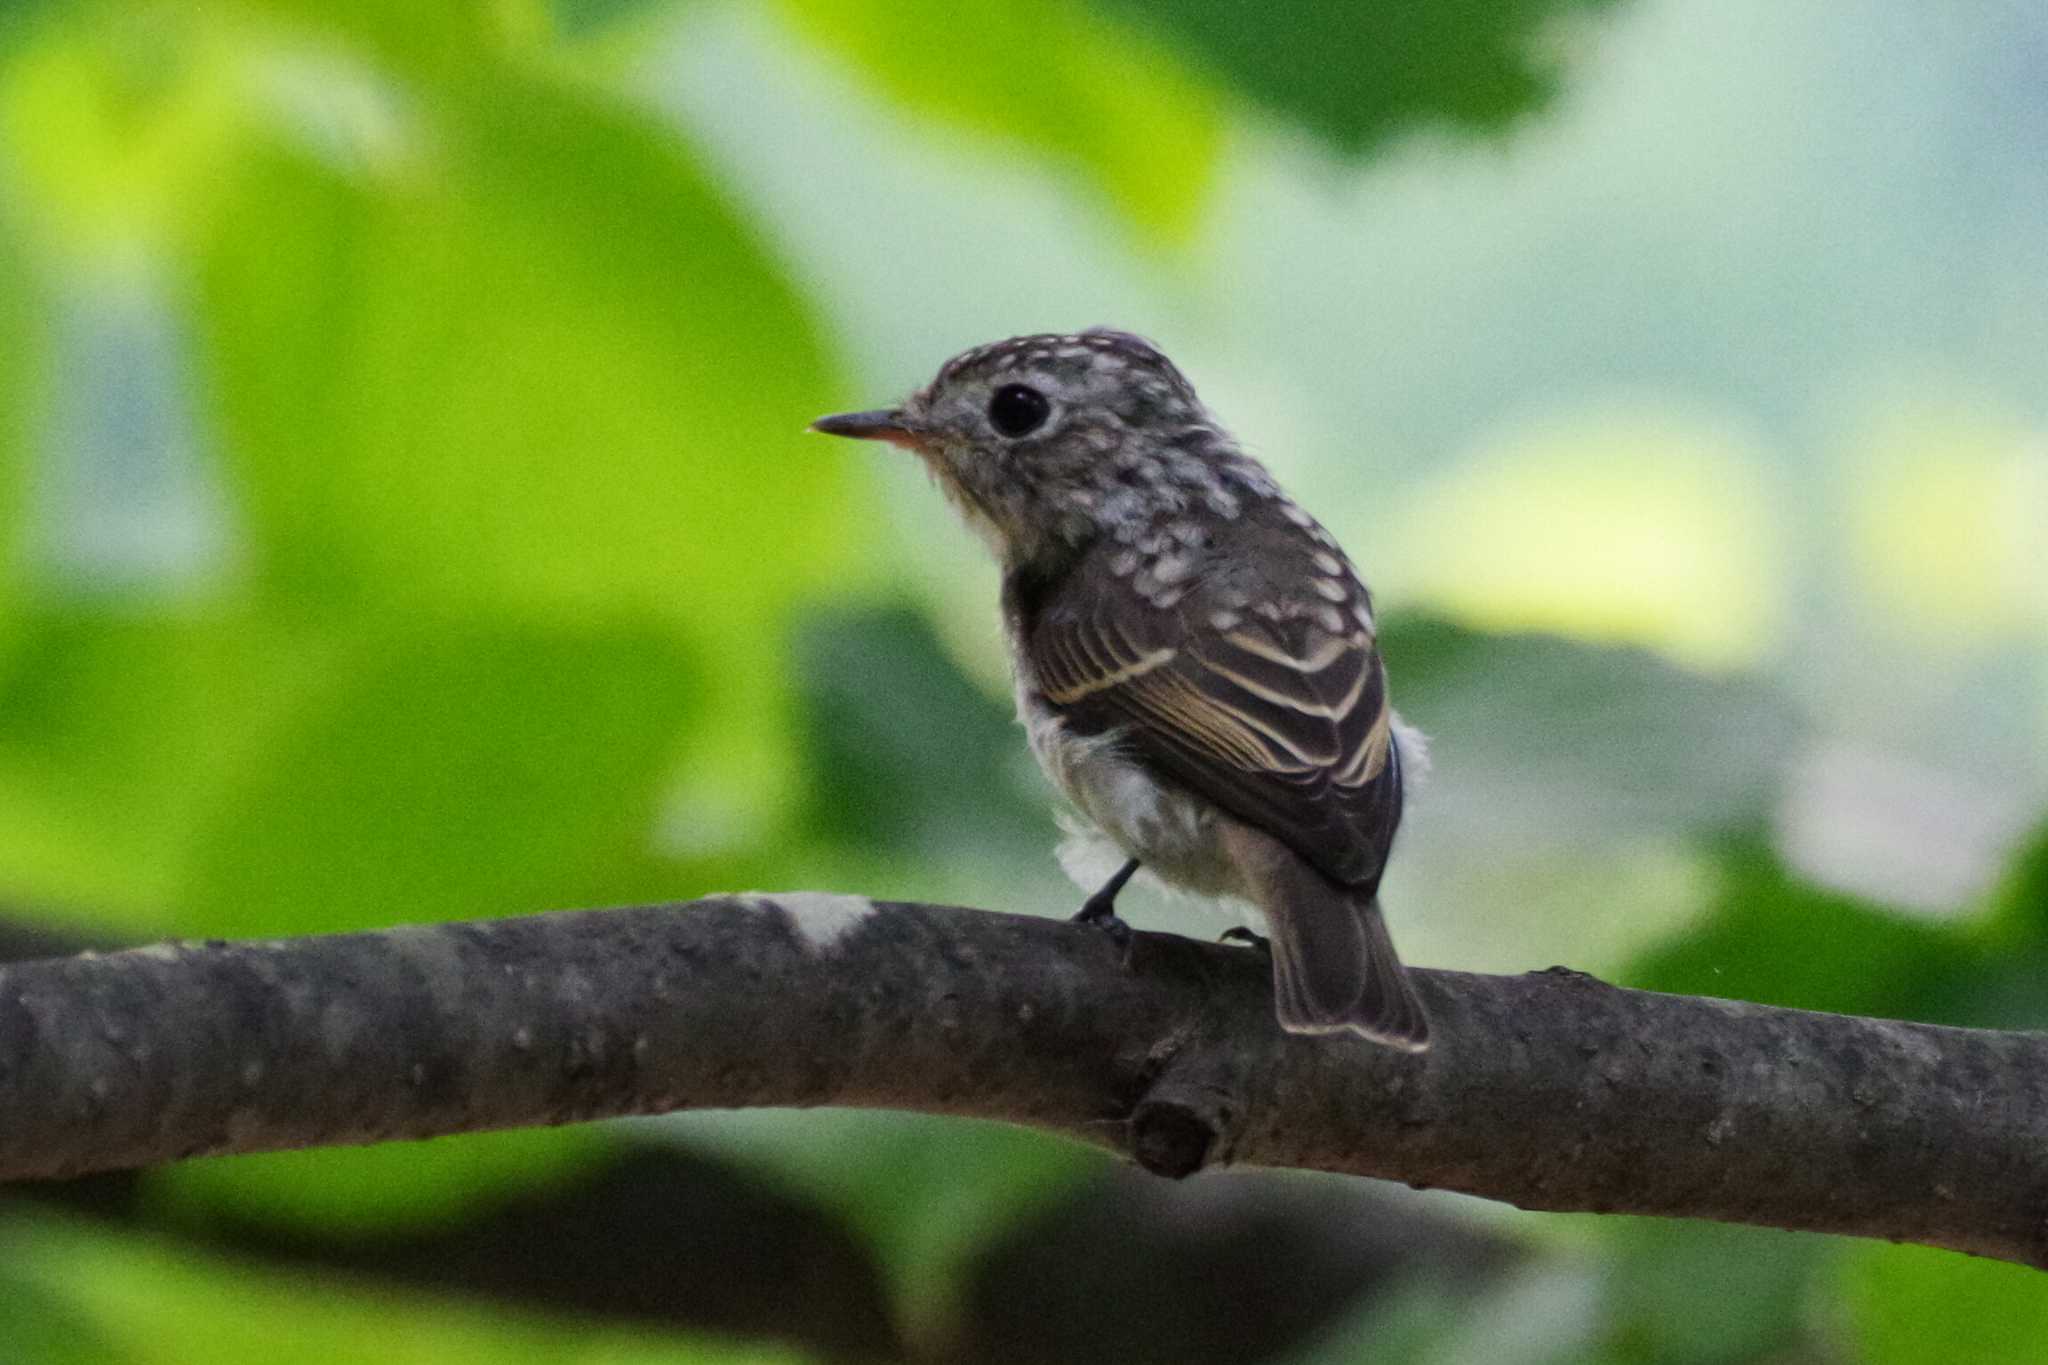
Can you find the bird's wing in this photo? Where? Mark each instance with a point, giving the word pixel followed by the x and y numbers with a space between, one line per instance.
pixel 1283 723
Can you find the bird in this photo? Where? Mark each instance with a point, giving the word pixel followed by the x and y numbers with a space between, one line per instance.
pixel 1196 660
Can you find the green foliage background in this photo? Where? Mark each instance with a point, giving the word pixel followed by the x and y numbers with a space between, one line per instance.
pixel 405 514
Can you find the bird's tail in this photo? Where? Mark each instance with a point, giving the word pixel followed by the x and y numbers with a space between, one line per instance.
pixel 1334 968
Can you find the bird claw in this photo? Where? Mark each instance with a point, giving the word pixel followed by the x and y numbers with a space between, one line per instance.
pixel 1100 911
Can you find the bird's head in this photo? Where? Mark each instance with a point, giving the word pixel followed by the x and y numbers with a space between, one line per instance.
pixel 1044 442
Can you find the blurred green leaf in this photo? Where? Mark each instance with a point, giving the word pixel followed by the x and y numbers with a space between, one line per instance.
pixel 158 1304
pixel 272 780
pixel 1666 1292
pixel 2011 988
pixel 910 755
pixel 1774 939
pixel 1542 1313
pixel 116 730
pixel 1358 74
pixel 36 1322
pixel 425 40
pixel 373 1190
pixel 1679 1292
pixel 494 365
pixel 446 769
pixel 920 783
pixel 1065 81
pixel 1558 737
pixel 1589 773
pixel 22 348
pixel 576 19
pixel 527 362
pixel 1918 1306
pixel 115 120
pixel 2019 905
pixel 19 18
pixel 1413 1320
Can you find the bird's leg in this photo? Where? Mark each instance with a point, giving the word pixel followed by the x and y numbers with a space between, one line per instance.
pixel 1100 908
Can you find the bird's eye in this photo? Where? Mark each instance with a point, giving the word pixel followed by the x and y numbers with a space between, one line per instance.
pixel 1017 409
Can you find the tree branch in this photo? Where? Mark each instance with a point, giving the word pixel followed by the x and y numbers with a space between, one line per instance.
pixel 1550 1090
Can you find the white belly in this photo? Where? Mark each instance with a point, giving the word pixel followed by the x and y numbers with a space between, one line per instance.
pixel 1130 814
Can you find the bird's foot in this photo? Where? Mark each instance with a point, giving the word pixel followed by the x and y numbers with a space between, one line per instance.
pixel 1100 911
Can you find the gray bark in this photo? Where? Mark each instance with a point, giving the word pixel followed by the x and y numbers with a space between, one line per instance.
pixel 1550 1090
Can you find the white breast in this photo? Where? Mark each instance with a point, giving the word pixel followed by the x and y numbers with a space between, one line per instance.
pixel 1129 813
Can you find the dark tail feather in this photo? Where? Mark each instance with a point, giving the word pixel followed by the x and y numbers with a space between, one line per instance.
pixel 1334 968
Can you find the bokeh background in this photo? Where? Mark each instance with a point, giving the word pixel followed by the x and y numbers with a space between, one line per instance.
pixel 405 514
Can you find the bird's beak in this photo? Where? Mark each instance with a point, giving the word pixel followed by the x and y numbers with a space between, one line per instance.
pixel 881 424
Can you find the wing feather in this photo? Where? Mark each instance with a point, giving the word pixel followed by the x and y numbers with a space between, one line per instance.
pixel 1283 723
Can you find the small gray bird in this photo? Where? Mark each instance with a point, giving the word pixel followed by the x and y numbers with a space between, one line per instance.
pixel 1195 657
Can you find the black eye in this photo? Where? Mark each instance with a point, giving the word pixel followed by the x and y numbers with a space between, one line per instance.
pixel 1017 409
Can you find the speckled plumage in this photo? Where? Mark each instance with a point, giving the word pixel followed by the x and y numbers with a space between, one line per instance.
pixel 1195 657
